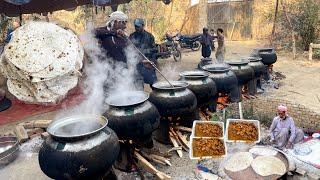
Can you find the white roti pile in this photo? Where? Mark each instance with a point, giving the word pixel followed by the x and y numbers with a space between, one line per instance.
pixel 263 151
pixel 239 161
pixel 268 165
pixel 42 62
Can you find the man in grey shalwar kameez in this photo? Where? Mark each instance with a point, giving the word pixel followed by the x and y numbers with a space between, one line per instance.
pixel 283 132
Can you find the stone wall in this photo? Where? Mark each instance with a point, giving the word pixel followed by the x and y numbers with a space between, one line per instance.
pixel 264 110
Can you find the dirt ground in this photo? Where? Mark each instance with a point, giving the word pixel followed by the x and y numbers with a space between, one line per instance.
pixel 302 85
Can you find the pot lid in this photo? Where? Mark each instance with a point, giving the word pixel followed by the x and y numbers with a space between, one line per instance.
pixel 242 62
pixel 252 59
pixel 217 68
pixel 194 74
pixel 77 126
pixel 127 98
pixel 164 85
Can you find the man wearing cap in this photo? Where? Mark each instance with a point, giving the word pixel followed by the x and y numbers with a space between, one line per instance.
pixel 114 41
pixel 112 37
pixel 283 132
pixel 144 41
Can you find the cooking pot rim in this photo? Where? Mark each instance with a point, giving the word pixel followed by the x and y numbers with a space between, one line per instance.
pixel 252 59
pixel 217 68
pixel 206 59
pixel 144 97
pixel 194 74
pixel 53 126
pixel 242 62
pixel 163 85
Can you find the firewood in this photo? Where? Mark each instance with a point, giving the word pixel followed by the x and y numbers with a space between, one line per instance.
pixel 150 168
pixel 35 131
pixel 174 149
pixel 185 129
pixel 42 123
pixel 45 135
pixel 37 124
pixel 183 139
pixel 28 125
pixel 203 116
pixel 21 133
pixel 151 158
pixel 158 161
pixel 178 140
pixel 160 158
pixel 175 144
pixel 34 135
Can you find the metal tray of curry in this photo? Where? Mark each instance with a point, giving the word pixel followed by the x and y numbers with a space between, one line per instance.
pixel 206 147
pixel 208 129
pixel 240 130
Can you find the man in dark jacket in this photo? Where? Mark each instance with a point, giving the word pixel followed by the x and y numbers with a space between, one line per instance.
pixel 114 41
pixel 144 41
pixel 112 37
pixel 206 42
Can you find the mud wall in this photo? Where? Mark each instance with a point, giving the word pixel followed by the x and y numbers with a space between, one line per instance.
pixel 264 110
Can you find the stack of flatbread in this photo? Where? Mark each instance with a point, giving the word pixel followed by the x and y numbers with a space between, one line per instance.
pixel 263 162
pixel 42 62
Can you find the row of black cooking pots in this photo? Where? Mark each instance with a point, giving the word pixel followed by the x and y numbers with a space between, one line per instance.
pixel 230 76
pixel 83 146
pixel 78 149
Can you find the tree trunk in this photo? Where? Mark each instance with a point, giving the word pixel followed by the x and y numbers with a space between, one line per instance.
pixel 171 9
pixel 294 51
pixel 186 18
pixel 274 22
pixel 292 29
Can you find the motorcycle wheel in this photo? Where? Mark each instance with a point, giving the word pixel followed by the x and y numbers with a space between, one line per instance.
pixel 176 55
pixel 195 46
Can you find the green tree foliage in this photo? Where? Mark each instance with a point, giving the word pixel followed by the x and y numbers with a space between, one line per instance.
pixel 304 16
pixel 306 21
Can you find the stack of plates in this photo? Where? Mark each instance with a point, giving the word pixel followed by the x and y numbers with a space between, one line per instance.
pixel 42 62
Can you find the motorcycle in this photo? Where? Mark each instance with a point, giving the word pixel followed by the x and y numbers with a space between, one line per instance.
pixel 190 42
pixel 168 48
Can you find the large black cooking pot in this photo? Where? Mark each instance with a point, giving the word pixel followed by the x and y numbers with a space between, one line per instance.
pixel 242 70
pixel 204 61
pixel 201 85
pixel 226 81
pixel 257 66
pixel 268 55
pixel 173 101
pixel 131 115
pixel 79 147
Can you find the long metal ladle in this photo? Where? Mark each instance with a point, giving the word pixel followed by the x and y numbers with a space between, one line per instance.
pixel 152 63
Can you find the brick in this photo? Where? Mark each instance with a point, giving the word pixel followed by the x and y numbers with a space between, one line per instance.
pixel 21 133
pixel 35 131
pixel 35 135
pixel 45 135
pixel 313 176
pixel 301 171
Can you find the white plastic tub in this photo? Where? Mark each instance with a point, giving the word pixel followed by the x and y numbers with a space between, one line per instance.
pixel 221 124
pixel 256 123
pixel 206 157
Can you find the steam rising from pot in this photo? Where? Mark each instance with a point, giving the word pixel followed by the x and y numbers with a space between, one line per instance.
pixel 103 77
